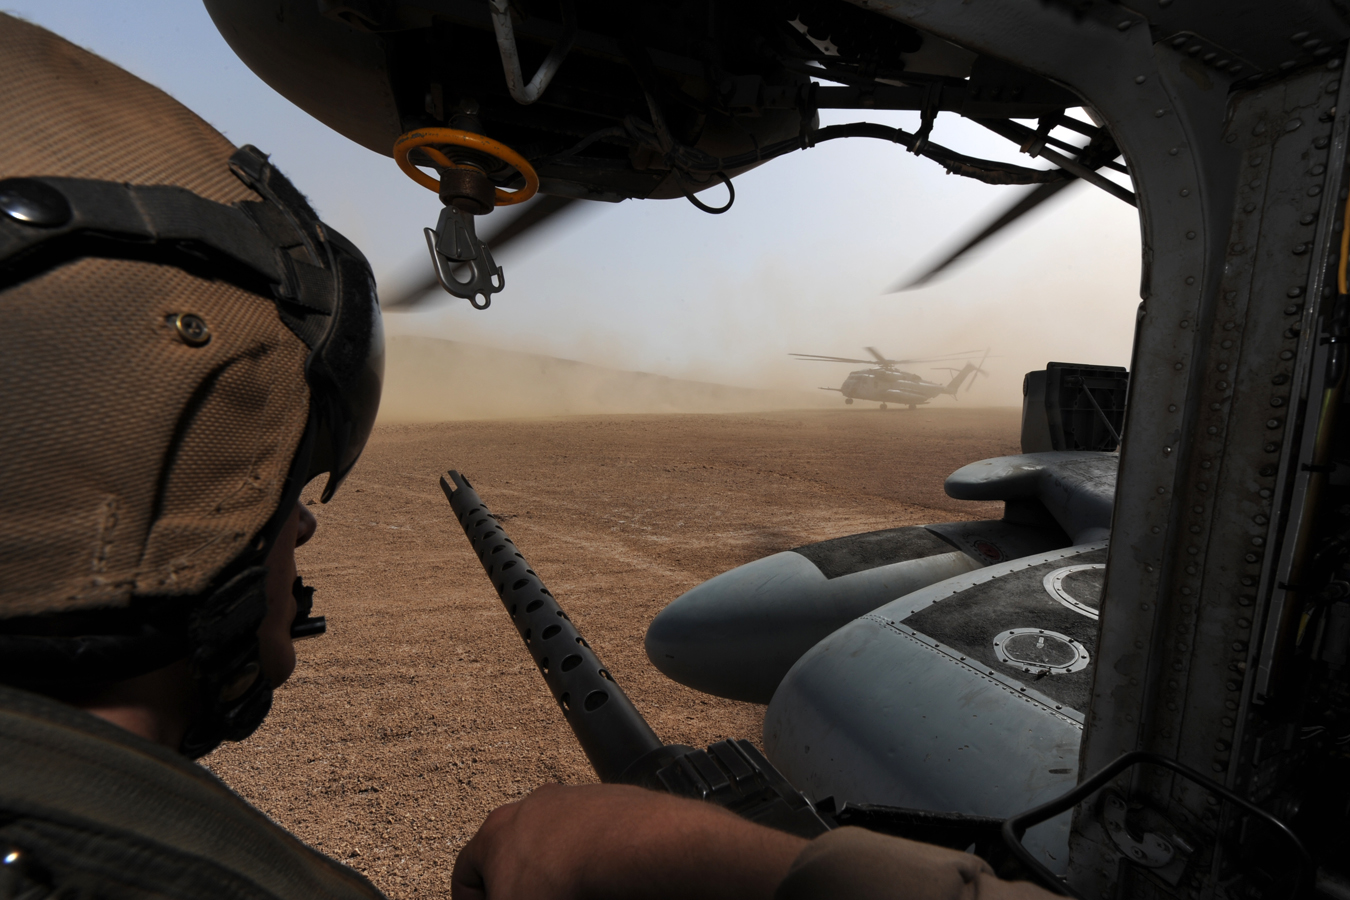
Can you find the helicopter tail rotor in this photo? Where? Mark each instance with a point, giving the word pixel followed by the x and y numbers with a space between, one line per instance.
pixel 979 370
pixel 966 376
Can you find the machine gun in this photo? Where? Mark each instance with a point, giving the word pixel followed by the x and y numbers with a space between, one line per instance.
pixel 618 742
pixel 623 749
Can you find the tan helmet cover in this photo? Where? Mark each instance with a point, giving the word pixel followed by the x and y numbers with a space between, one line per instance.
pixel 132 462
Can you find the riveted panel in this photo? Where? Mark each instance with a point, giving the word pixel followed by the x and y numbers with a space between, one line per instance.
pixel 1226 117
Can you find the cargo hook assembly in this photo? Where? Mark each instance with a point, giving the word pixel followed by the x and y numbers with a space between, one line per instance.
pixel 460 157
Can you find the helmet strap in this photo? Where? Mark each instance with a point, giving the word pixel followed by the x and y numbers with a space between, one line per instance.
pixel 233 693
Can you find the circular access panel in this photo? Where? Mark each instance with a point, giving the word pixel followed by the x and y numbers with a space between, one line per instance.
pixel 1078 587
pixel 1041 652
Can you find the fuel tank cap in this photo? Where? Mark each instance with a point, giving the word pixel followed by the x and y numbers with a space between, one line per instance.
pixel 1078 587
pixel 1040 652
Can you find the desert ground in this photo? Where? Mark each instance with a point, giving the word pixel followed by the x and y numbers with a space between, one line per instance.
pixel 420 711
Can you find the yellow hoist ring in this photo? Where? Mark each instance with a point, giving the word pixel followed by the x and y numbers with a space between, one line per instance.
pixel 427 138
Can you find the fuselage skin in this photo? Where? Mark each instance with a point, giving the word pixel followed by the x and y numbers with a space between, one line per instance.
pixel 889 387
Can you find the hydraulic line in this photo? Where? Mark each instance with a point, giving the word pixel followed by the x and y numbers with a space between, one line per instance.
pixel 1020 134
pixel 695 162
pixel 506 42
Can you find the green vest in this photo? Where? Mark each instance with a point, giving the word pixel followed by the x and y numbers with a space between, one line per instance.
pixel 88 809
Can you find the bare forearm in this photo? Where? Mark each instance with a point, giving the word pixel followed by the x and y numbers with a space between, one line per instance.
pixel 603 841
pixel 694 850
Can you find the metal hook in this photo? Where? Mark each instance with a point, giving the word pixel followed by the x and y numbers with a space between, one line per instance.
pixel 453 244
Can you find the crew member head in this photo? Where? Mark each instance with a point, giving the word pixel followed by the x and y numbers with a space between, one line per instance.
pixel 183 346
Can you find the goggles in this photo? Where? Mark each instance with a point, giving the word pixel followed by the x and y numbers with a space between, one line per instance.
pixel 276 247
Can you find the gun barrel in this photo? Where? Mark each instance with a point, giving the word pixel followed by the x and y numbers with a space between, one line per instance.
pixel 611 731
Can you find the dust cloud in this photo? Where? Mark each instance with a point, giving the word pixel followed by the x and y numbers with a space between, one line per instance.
pixel 432 380
pixel 709 301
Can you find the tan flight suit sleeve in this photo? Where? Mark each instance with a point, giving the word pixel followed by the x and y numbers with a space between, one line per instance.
pixel 858 864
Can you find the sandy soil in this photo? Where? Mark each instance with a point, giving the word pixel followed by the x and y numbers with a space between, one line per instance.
pixel 420 711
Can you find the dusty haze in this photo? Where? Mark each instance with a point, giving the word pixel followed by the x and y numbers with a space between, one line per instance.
pixel 431 380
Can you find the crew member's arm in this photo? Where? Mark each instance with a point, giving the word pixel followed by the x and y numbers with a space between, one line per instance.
pixel 864 865
pixel 605 840
pixel 611 841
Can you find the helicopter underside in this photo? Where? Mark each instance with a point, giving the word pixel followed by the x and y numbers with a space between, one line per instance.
pixel 869 390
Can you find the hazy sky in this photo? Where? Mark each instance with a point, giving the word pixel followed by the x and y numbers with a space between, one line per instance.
pixel 798 264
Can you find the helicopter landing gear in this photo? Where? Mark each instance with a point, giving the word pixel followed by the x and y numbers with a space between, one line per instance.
pixel 848 401
pixel 462 159
pixel 883 406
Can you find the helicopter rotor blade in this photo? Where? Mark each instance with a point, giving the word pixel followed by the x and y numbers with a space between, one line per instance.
pixel 811 357
pixel 531 216
pixel 1029 201
pixel 960 354
pixel 814 357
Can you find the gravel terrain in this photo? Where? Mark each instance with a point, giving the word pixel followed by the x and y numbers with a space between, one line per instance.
pixel 420 711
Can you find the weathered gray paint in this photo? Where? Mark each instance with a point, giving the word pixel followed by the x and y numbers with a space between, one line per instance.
pixel 880 712
pixel 1077 487
pixel 736 635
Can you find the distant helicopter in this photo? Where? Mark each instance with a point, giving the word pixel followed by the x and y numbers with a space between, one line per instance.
pixel 884 383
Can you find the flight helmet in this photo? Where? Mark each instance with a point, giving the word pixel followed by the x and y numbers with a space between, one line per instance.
pixel 183 346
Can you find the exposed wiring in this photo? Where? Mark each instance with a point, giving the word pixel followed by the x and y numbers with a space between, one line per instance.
pixel 693 162
pixel 711 210
pixel 1020 134
pixel 690 164
pixel 988 171
pixel 615 131
pixel 1015 827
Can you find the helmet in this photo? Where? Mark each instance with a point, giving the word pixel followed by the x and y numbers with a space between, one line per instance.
pixel 183 346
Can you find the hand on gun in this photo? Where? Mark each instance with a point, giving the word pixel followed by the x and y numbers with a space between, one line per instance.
pixel 615 841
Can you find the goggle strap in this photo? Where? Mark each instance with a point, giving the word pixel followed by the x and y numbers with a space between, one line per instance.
pixel 169 225
pixel 286 217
